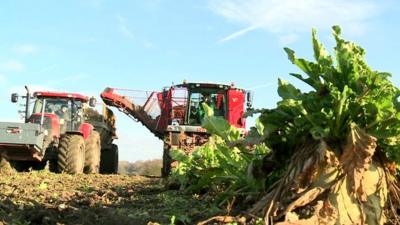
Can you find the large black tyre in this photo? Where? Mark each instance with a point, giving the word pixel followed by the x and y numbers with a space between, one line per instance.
pixel 167 161
pixel 21 166
pixel 51 156
pixel 53 165
pixel 26 166
pixel 109 160
pixel 71 154
pixel 92 153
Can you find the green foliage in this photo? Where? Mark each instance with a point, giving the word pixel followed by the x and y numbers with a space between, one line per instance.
pixel 345 90
pixel 218 165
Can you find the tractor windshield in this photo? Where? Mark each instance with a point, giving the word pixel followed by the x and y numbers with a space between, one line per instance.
pixel 69 111
pixel 212 97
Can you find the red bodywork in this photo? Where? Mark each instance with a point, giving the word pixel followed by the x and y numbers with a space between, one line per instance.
pixel 236 108
pixel 50 121
pixel 86 129
pixel 61 95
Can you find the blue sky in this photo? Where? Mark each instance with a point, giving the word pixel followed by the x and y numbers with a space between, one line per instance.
pixel 86 45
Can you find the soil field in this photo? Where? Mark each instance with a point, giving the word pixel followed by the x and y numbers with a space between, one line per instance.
pixel 47 198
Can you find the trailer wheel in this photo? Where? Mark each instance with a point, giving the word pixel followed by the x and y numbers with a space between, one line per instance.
pixel 92 153
pixel 71 154
pixel 167 161
pixel 109 160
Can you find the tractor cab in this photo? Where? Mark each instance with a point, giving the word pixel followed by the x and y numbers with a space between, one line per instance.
pixel 66 108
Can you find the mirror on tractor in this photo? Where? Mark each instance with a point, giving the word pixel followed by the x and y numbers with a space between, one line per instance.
pixel 92 102
pixel 14 97
pixel 249 98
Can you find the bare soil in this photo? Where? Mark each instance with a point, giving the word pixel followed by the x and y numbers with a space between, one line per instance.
pixel 47 198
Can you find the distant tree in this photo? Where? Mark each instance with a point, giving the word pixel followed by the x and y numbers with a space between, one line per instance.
pixel 141 167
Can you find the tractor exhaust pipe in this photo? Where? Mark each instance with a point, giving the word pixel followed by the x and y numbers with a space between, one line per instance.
pixel 27 106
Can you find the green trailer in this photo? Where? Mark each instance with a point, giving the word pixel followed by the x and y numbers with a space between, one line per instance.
pixel 21 141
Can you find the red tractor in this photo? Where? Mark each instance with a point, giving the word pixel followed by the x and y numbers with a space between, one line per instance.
pixel 175 114
pixel 55 133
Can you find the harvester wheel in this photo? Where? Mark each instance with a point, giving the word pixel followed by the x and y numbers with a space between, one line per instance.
pixel 71 154
pixel 109 160
pixel 92 153
pixel 167 161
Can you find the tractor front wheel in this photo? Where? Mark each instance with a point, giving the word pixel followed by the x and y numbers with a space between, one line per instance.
pixel 71 154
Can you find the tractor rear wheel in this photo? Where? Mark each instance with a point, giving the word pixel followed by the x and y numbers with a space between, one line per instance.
pixel 92 153
pixel 71 154
pixel 109 160
pixel 167 161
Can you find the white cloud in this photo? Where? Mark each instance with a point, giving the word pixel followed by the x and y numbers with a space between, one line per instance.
pixel 26 49
pixel 239 33
pixel 124 28
pixel 12 66
pixel 288 18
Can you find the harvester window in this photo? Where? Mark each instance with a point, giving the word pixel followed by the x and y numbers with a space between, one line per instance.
pixel 196 111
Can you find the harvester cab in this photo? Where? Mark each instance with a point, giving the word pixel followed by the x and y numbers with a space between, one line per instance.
pixel 176 113
pixel 187 100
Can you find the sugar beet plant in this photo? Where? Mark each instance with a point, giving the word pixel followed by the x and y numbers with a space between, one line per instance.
pixel 326 156
pixel 338 143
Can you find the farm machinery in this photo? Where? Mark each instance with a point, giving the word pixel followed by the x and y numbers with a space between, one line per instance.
pixel 61 131
pixel 175 114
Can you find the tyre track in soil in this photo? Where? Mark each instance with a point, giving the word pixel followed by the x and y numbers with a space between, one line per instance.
pixel 47 198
